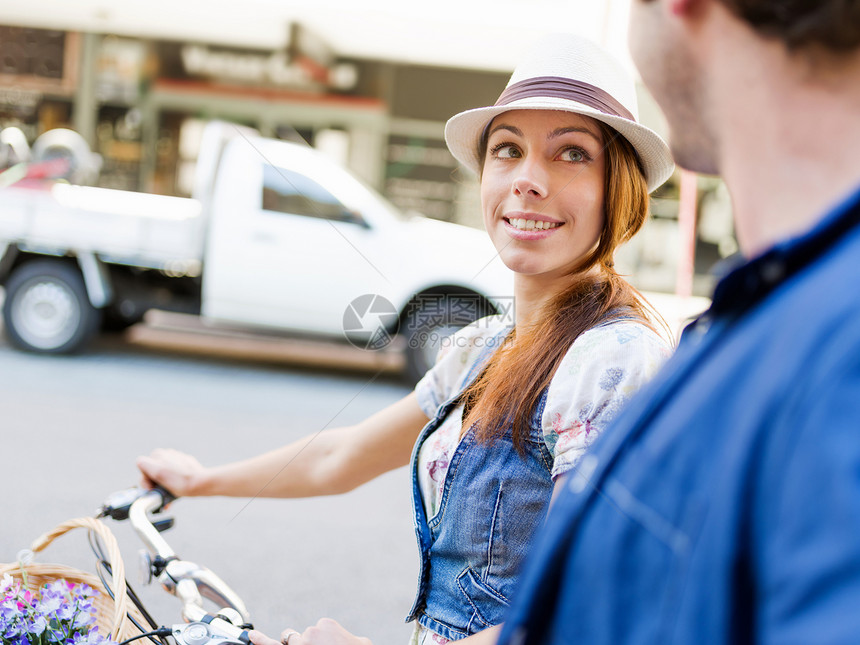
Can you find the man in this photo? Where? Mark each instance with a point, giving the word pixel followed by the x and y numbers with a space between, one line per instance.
pixel 723 506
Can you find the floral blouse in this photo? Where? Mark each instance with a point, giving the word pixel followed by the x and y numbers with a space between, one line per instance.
pixel 601 370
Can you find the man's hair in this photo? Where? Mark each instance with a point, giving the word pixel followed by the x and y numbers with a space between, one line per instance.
pixel 831 24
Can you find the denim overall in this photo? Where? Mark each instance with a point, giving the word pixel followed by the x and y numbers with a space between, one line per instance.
pixel 492 502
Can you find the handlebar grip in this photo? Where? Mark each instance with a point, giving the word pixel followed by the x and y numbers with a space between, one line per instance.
pixel 118 504
pixel 166 496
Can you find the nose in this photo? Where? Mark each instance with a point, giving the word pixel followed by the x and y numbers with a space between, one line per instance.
pixel 531 180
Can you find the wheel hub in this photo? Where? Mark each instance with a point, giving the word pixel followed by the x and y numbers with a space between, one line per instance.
pixel 46 314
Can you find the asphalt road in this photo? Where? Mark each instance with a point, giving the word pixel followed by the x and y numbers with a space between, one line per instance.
pixel 71 428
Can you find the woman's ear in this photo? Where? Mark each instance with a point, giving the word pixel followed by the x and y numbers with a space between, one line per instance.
pixel 686 7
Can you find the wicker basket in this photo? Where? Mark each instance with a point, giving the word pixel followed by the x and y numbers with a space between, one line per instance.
pixel 112 615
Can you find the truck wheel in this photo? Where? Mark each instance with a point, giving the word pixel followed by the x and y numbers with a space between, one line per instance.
pixel 433 320
pixel 47 309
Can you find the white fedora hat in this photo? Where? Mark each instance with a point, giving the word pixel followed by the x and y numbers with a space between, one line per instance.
pixel 570 73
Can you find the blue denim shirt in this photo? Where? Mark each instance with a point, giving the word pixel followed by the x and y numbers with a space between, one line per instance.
pixel 493 501
pixel 723 505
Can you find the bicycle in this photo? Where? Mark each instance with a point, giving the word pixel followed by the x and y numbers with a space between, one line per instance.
pixel 186 580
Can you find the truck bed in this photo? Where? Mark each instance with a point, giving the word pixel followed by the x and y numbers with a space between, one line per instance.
pixel 120 227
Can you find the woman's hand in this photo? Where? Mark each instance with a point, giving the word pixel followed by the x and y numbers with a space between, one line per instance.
pixel 325 632
pixel 176 471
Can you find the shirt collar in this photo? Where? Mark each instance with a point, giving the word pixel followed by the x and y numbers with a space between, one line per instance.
pixel 751 282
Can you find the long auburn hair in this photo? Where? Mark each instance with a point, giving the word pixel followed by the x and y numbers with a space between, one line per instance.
pixel 510 386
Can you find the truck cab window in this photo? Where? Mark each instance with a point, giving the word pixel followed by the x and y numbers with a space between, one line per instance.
pixel 285 191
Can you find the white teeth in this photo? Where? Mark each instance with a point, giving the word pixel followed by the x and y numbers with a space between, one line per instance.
pixel 531 224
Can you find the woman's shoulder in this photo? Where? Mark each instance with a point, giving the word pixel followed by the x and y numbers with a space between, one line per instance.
pixel 625 337
pixel 460 357
pixel 622 351
pixel 472 345
pixel 488 332
pixel 602 369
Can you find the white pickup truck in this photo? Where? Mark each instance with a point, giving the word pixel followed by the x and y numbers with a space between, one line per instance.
pixel 276 238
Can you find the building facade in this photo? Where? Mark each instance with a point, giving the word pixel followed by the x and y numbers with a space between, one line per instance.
pixel 141 102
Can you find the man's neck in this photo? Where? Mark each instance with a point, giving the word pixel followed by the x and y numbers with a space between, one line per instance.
pixel 789 150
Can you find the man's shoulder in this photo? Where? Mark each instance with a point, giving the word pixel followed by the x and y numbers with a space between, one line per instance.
pixel 824 292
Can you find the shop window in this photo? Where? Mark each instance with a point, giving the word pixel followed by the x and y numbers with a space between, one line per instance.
pixel 418 177
pixel 118 135
pixel 285 191
pixel 32 52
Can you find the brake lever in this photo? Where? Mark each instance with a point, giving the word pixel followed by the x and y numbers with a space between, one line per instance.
pixel 163 524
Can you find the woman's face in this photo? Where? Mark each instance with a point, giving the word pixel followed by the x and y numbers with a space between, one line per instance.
pixel 542 190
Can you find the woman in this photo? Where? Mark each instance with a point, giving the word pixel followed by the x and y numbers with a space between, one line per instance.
pixel 565 173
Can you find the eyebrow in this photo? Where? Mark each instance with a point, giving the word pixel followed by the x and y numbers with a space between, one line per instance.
pixel 509 128
pixel 560 131
pixel 555 133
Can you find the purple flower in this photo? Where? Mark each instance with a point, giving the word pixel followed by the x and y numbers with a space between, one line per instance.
pixel 84 619
pixel 56 588
pixel 6 583
pixel 92 638
pixel 60 613
pixel 65 611
pixel 9 619
pixel 49 604
pixel 37 625
pixel 84 591
pixel 9 608
pixel 11 628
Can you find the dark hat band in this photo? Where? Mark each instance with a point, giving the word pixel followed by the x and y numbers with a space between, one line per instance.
pixel 565 88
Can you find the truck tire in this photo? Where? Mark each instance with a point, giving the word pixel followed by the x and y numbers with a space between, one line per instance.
pixel 47 309
pixel 433 320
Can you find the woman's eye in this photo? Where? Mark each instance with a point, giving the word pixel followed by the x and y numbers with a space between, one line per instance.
pixel 573 154
pixel 506 151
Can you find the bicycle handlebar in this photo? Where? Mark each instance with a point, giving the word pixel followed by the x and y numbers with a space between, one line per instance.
pixel 150 502
pixel 186 580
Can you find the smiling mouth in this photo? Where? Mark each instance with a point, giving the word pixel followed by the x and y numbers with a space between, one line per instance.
pixel 531 224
